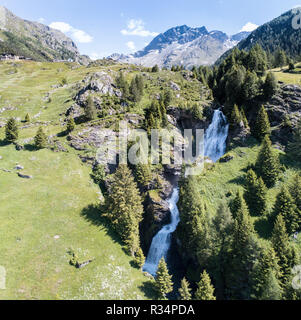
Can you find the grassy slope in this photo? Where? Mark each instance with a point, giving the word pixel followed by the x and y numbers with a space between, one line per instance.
pixel 55 202
pixel 289 77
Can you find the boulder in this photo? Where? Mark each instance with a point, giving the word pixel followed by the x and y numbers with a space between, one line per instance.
pixel 174 86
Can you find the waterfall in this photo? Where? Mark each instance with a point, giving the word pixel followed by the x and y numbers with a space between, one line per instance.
pixel 162 241
pixel 216 136
pixel 215 147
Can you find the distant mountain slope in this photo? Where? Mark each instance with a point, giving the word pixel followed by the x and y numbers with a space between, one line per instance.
pixel 35 40
pixel 276 34
pixel 183 46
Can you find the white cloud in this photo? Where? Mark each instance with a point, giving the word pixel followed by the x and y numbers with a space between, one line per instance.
pixel 41 20
pixel 249 27
pixel 131 45
pixel 137 28
pixel 76 34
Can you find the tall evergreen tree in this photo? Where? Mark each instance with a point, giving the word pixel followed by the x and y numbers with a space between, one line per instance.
pixel 268 165
pixel 294 148
pixel 185 291
pixel 235 119
pixel 27 118
pixel 70 125
pixel 262 126
pixel 242 257
pixel 11 130
pixel 266 275
pixel 143 175
pixel 90 110
pixel 139 258
pixel 205 289
pixel 280 58
pixel 223 224
pixel 286 207
pixel 295 191
pixel 270 86
pixel 155 68
pixel 125 207
pixel 238 204
pixel 255 194
pixel 40 140
pixel 193 228
pixel 164 284
pixel 284 251
pixel 250 87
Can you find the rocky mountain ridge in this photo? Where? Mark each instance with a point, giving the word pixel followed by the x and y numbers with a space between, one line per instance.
pixel 35 40
pixel 185 46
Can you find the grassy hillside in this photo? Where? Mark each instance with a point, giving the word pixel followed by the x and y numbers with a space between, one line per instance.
pixel 43 218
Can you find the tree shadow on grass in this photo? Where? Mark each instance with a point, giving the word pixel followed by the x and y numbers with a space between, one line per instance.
pixel 148 289
pixel 93 214
pixel 240 181
pixel 30 147
pixel 4 143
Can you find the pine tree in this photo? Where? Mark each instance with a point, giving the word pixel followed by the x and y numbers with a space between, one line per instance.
pixel 294 148
pixel 70 125
pixel 125 207
pixel 238 204
pixel 155 68
pixel 223 224
pixel 284 251
pixel 267 165
pixel 244 249
pixel 286 207
pixel 185 291
pixel 139 258
pixel 262 126
pixel 236 119
pixel 280 58
pixel 143 175
pixel 270 86
pixel 27 118
pixel 295 191
pixel 193 227
pixel 11 130
pixel 40 140
pixel 266 275
pixel 205 289
pixel 90 110
pixel 250 87
pixel 164 284
pixel 255 194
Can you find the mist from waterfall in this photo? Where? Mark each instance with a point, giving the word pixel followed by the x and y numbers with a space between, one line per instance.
pixel 215 147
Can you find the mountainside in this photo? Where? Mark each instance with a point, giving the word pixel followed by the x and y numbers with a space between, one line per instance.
pixel 35 40
pixel 276 34
pixel 183 46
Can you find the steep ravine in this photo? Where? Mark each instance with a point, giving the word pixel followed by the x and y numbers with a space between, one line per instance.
pixel 162 243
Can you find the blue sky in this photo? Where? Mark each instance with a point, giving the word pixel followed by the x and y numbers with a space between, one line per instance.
pixel 102 27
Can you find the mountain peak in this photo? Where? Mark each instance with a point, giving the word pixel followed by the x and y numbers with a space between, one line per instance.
pixel 183 45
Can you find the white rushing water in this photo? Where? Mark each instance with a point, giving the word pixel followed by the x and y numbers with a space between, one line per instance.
pixel 216 136
pixel 215 147
pixel 162 241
